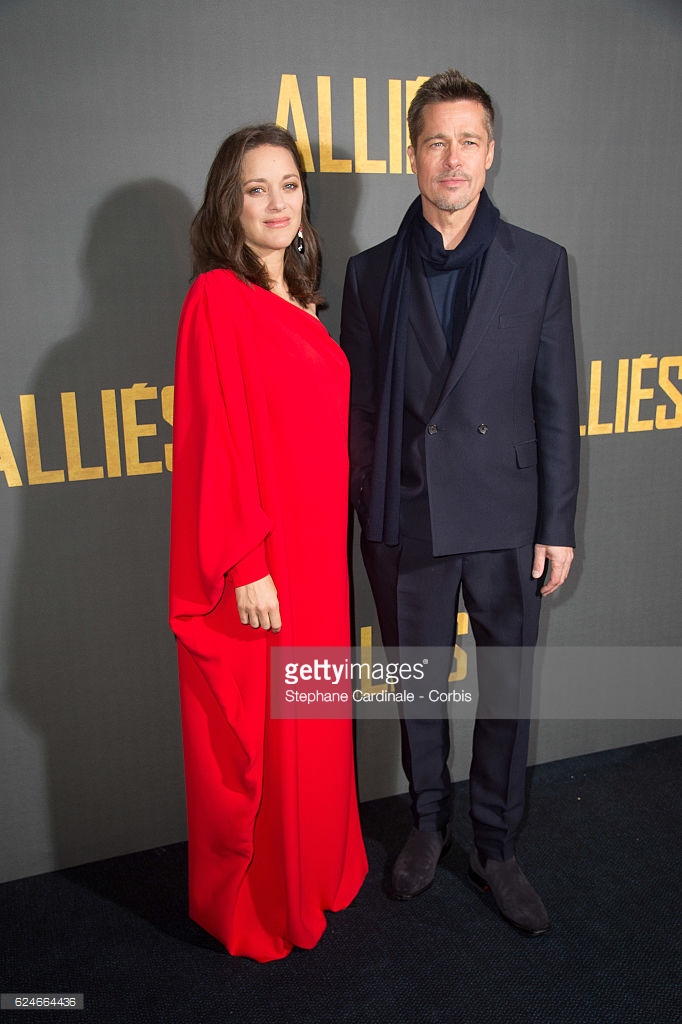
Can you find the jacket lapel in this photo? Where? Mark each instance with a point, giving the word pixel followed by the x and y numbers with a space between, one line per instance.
pixel 498 271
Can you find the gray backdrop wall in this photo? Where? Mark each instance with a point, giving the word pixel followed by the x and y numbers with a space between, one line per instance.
pixel 111 116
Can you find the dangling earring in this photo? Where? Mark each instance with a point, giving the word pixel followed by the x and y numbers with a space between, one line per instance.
pixel 299 242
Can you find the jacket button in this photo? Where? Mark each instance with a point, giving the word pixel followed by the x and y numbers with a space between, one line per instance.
pixel 432 428
pixel 482 428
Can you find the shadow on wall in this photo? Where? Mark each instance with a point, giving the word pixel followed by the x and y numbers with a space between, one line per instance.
pixel 334 199
pixel 92 663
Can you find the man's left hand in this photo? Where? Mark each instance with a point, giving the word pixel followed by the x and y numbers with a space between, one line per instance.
pixel 559 559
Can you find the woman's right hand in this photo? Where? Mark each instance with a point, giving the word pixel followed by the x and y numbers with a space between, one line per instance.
pixel 258 605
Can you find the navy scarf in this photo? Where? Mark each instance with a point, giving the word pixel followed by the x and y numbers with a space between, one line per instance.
pixel 383 521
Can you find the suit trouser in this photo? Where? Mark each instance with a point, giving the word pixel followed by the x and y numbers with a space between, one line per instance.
pixel 417 597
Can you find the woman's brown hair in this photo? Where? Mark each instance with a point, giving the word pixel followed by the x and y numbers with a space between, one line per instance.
pixel 217 235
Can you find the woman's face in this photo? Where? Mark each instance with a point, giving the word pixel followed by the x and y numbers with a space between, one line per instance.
pixel 273 200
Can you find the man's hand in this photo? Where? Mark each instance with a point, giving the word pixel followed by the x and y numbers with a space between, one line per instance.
pixel 560 562
pixel 258 605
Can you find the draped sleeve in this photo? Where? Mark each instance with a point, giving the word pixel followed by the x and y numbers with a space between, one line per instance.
pixel 218 525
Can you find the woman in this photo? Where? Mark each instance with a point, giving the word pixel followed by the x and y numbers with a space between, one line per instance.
pixel 258 558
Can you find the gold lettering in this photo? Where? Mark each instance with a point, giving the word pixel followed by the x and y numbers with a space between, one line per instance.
pixel 593 424
pixel 664 422
pixel 411 86
pixel 167 394
pixel 366 684
pixel 290 102
pixel 290 110
pixel 461 665
pixel 395 126
pixel 133 431
pixel 461 658
pixel 324 116
pixel 638 394
pixel 75 468
pixel 34 466
pixel 112 445
pixel 8 464
pixel 363 165
pixel 622 394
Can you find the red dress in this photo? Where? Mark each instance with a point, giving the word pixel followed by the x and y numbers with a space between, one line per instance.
pixel 260 486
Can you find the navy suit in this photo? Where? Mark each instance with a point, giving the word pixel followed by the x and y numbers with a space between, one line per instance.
pixel 490 452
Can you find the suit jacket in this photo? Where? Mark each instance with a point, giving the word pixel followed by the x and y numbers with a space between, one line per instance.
pixel 501 436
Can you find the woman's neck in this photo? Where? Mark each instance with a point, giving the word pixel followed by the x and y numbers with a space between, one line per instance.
pixel 274 265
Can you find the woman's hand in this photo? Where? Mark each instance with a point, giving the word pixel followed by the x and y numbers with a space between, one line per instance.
pixel 258 605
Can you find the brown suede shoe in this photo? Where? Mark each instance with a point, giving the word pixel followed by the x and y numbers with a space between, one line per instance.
pixel 516 898
pixel 416 863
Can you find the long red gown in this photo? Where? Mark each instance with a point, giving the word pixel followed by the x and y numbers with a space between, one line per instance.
pixel 260 486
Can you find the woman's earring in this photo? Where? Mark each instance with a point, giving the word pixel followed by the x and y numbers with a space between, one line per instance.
pixel 299 242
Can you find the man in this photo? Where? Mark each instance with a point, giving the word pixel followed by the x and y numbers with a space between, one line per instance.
pixel 464 466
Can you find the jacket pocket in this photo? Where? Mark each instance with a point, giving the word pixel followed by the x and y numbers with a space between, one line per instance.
pixel 526 454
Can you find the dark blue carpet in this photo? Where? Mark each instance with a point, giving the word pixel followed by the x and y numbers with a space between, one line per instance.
pixel 601 842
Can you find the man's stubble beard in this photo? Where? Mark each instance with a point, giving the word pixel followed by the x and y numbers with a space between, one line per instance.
pixel 451 206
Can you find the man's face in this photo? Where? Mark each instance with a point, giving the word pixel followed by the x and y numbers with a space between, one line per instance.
pixel 452 154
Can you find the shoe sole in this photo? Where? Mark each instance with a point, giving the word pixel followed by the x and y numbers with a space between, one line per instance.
pixel 482 886
pixel 393 894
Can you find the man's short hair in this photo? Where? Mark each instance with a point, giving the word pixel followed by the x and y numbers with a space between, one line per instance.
pixel 442 88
